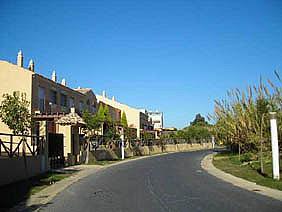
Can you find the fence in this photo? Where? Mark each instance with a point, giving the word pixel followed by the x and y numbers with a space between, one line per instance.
pixel 21 157
pixel 20 145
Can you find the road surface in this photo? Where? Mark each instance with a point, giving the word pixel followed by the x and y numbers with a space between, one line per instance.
pixel 172 182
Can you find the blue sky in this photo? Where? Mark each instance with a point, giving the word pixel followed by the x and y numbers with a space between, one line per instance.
pixel 173 56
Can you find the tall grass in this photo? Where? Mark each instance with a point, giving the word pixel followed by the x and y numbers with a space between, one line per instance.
pixel 242 118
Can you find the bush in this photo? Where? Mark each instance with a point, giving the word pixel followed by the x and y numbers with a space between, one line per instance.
pixel 247 157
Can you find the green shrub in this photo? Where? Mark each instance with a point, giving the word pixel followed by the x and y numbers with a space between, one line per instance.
pixel 247 157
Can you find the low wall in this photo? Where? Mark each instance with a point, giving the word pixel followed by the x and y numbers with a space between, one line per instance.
pixel 104 154
pixel 16 169
pixel 171 148
pixel 107 154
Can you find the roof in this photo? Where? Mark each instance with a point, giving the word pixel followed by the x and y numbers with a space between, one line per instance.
pixel 70 119
pixel 83 90
pixel 115 103
pixel 58 84
pixel 16 67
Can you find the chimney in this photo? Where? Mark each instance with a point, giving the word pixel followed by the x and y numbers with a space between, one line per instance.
pixel 64 83
pixel 104 94
pixel 54 76
pixel 20 59
pixel 31 65
pixel 72 110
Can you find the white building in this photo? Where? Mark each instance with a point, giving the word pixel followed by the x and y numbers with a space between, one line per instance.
pixel 157 119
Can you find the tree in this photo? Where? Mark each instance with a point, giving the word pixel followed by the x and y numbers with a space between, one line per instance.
pixel 124 120
pixel 108 118
pixel 198 133
pixel 148 136
pixel 100 114
pixel 198 130
pixel 14 112
pixel 124 124
pixel 199 120
pixel 104 117
pixel 92 122
pixel 108 132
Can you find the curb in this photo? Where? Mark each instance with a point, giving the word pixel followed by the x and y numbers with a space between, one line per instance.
pixel 207 165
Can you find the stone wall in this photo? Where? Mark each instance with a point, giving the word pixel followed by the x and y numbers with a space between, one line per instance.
pixel 114 154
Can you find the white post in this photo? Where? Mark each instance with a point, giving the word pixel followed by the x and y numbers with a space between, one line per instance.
pixel 274 146
pixel 122 144
pixel 213 143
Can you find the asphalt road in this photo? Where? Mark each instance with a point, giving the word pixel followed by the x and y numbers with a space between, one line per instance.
pixel 173 182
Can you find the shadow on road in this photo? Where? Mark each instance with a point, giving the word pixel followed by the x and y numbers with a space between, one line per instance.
pixel 16 193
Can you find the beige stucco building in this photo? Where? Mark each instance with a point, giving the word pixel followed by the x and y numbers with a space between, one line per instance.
pixel 49 100
pixel 115 113
pixel 135 118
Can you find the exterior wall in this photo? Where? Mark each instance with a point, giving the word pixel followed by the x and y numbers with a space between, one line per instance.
pixel 71 134
pixel 49 85
pixel 114 112
pixel 75 138
pixel 16 169
pixel 66 130
pixel 167 131
pixel 144 121
pixel 91 102
pixel 157 119
pixel 71 142
pixel 14 78
pixel 132 114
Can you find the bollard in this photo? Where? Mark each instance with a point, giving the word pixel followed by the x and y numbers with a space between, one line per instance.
pixel 274 146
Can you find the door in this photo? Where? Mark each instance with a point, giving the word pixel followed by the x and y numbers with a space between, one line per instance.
pixel 56 150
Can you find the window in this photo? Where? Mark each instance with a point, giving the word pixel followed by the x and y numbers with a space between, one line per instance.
pixel 64 100
pixel 71 102
pixel 81 106
pixel 93 108
pixel 53 97
pixel 41 95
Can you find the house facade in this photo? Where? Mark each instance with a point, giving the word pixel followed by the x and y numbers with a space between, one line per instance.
pixel 157 119
pixel 135 118
pixel 49 100
pixel 114 112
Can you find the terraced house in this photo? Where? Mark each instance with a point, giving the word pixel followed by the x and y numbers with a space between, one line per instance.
pixel 137 119
pixel 52 103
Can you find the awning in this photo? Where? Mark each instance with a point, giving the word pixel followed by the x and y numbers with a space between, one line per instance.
pixel 71 119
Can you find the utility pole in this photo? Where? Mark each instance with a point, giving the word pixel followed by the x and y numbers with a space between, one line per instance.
pixel 274 146
pixel 213 142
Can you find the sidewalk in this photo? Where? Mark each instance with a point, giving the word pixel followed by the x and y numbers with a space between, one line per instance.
pixel 207 165
pixel 44 196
